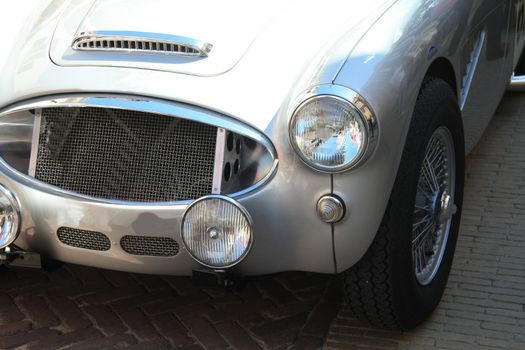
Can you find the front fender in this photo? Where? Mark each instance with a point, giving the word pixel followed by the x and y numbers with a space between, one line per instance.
pixel 387 68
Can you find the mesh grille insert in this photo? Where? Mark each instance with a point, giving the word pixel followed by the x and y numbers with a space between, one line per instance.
pixel 125 155
pixel 83 239
pixel 153 246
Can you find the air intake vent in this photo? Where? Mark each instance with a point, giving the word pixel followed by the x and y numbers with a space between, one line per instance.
pixel 470 58
pixel 140 42
pixel 152 246
pixel 83 239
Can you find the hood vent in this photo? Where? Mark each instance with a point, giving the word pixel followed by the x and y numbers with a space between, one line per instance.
pixel 140 42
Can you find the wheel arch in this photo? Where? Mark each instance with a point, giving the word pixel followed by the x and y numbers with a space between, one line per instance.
pixel 443 69
pixel 389 74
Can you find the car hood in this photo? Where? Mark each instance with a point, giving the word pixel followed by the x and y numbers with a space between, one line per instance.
pixel 265 53
pixel 230 27
pixel 229 34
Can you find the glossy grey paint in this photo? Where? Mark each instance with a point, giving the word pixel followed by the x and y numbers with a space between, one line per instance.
pixel 116 219
pixel 279 212
pixel 389 75
pixel 385 64
pixel 46 208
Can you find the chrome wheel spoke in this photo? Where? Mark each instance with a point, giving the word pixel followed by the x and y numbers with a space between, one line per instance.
pixel 422 235
pixel 426 219
pixel 419 208
pixel 426 193
pixel 428 177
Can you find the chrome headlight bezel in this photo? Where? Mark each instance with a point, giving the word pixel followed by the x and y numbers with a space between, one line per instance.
pixel 353 101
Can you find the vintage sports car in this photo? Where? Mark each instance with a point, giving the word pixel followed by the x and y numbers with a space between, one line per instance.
pixel 252 137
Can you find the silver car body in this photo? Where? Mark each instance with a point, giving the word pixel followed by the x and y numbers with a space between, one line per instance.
pixel 267 56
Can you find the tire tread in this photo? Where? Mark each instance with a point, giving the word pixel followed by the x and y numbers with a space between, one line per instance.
pixel 367 285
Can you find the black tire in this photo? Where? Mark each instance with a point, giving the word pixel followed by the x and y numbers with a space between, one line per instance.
pixel 382 287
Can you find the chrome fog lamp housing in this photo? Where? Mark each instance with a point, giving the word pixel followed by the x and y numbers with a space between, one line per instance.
pixel 333 129
pixel 217 231
pixel 9 217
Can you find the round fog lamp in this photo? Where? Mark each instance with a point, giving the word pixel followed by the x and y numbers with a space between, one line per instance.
pixel 9 217
pixel 217 231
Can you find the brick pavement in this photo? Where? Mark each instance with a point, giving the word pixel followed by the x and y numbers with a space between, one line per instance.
pixel 79 307
pixel 484 303
pixel 483 308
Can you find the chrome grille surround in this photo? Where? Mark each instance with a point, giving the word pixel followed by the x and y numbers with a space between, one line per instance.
pixel 150 246
pixel 83 239
pixel 140 42
pixel 32 111
pixel 125 155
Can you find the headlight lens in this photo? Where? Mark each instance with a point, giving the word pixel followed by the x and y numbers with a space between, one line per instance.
pixel 217 231
pixel 328 133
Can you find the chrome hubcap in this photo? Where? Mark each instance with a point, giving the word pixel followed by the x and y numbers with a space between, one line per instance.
pixel 444 208
pixel 434 206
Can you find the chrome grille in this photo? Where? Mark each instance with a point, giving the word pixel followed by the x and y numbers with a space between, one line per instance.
pixel 125 155
pixel 153 246
pixel 83 239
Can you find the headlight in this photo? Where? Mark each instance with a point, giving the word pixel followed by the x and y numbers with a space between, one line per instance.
pixel 217 231
pixel 330 133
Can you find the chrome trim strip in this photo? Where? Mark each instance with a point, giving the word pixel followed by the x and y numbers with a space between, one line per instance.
pixel 219 160
pixel 517 83
pixel 246 215
pixel 254 187
pixel 471 69
pixel 364 110
pixel 35 142
pixel 178 45
pixel 148 105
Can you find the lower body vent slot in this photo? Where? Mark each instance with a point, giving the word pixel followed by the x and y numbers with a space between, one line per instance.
pixel 83 239
pixel 152 246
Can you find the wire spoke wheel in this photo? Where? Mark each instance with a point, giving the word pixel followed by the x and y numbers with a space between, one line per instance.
pixel 434 206
pixel 400 280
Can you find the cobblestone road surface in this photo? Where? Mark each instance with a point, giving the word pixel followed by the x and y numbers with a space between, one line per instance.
pixel 483 308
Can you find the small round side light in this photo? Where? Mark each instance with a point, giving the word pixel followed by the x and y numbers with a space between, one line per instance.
pixel 330 208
